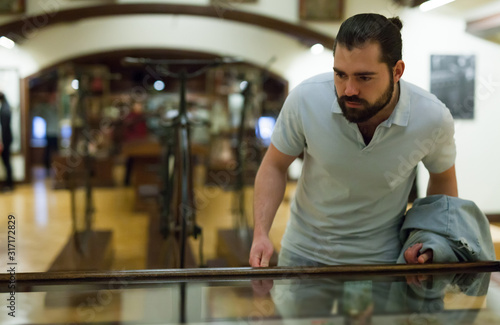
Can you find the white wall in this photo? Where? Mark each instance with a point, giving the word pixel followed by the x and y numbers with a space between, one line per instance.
pixel 478 140
pixel 17 59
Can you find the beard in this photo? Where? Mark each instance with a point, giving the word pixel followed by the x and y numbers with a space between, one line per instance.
pixel 360 115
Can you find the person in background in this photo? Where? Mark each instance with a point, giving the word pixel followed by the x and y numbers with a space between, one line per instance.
pixel 52 135
pixel 134 128
pixel 6 141
pixel 135 123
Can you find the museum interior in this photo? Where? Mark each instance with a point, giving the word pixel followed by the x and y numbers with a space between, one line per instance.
pixel 138 128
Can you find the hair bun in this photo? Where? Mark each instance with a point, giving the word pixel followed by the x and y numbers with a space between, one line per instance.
pixel 397 22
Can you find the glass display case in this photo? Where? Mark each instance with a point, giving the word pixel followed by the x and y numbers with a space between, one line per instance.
pixel 466 293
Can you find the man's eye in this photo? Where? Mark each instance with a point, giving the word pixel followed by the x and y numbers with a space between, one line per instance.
pixel 365 78
pixel 340 75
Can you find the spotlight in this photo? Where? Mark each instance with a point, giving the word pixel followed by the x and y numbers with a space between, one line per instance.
pixel 433 4
pixel 243 85
pixel 317 49
pixel 7 42
pixel 159 85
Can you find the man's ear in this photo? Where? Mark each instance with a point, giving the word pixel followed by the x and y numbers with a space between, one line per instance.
pixel 398 70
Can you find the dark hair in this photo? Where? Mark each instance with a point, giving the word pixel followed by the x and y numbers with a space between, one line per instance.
pixel 362 28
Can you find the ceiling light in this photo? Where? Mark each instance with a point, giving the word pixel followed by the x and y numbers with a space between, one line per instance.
pixel 243 85
pixel 75 84
pixel 433 4
pixel 7 42
pixel 159 85
pixel 317 49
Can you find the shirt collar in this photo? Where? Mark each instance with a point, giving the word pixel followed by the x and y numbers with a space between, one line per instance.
pixel 335 105
pixel 401 113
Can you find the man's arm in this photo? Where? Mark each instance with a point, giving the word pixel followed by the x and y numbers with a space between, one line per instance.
pixel 443 183
pixel 270 185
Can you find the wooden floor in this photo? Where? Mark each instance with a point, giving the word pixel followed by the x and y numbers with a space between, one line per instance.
pixel 43 222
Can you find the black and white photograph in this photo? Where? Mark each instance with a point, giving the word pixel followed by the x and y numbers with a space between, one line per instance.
pixel 452 81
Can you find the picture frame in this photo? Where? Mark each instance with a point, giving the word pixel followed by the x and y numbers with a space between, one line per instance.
pixel 453 82
pixel 321 10
pixel 12 6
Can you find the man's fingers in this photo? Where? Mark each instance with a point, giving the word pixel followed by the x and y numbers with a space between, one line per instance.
pixel 254 261
pixel 264 261
pixel 260 260
pixel 411 254
pixel 426 256
pixel 261 252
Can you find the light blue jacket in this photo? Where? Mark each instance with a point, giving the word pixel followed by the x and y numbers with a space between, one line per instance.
pixel 455 229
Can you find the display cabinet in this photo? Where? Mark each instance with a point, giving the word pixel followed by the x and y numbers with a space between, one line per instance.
pixel 466 293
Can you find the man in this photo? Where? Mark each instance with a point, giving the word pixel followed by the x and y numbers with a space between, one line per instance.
pixel 135 128
pixel 6 141
pixel 362 131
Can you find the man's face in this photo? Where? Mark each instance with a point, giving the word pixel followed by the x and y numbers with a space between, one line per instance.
pixel 363 83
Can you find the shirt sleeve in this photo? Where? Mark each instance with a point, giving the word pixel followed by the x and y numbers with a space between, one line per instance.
pixel 288 134
pixel 443 153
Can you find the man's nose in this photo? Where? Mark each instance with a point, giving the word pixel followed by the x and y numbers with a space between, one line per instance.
pixel 351 88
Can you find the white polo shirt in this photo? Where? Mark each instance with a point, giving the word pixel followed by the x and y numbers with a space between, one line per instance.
pixel 351 197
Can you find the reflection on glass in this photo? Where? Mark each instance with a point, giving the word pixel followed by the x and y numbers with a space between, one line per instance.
pixel 438 299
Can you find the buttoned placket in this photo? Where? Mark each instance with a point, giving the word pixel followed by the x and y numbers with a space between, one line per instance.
pixel 375 139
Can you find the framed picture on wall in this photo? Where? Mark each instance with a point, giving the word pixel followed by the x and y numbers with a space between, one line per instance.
pixel 12 6
pixel 452 81
pixel 321 10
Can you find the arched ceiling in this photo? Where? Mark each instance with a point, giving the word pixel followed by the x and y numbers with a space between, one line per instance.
pixel 254 38
pixel 21 29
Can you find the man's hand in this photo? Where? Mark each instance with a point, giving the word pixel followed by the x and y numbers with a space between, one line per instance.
pixel 412 256
pixel 261 252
